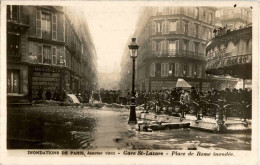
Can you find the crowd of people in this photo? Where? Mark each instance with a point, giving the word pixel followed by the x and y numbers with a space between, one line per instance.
pixel 160 97
pixel 185 96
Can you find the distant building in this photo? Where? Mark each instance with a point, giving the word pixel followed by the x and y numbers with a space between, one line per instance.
pixel 109 81
pixel 126 69
pixel 48 48
pixel 233 18
pixel 172 44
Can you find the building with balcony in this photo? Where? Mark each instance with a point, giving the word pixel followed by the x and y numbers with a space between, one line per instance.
pixel 231 53
pixel 233 18
pixel 172 44
pixel 48 48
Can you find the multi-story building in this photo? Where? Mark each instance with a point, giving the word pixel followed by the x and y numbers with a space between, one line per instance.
pixel 233 18
pixel 172 44
pixel 230 51
pixel 48 48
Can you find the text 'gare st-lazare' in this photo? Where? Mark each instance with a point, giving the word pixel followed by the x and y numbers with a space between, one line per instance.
pixel 182 54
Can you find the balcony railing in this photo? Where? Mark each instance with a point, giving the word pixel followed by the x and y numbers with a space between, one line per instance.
pixel 175 53
pixel 19 18
pixel 46 35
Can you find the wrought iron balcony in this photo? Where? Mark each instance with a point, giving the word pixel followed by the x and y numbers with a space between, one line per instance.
pixel 174 53
pixel 20 18
pixel 46 35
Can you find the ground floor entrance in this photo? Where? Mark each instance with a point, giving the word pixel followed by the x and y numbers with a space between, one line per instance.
pixel 13 81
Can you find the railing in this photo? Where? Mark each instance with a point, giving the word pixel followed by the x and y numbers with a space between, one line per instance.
pixel 46 35
pixel 19 18
pixel 219 110
pixel 174 53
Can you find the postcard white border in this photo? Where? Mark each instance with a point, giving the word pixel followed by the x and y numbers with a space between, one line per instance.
pixel 241 157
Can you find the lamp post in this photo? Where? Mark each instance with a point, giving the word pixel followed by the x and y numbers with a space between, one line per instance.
pixel 133 54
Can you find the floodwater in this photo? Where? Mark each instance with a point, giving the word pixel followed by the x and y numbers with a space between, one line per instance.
pixel 56 127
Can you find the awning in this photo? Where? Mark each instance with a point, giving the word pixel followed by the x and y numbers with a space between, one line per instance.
pixel 181 83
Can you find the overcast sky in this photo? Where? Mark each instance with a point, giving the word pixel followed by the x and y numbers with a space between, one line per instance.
pixel 110 27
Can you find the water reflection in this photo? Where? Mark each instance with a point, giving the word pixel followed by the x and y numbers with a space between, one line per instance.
pixel 55 127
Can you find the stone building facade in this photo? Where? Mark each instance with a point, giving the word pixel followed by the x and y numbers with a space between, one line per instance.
pixel 233 18
pixel 48 48
pixel 172 44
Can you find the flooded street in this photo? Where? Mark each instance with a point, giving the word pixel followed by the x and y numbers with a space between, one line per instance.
pixel 56 127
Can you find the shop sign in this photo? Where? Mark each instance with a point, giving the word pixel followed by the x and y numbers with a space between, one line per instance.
pixel 45 69
pixel 233 60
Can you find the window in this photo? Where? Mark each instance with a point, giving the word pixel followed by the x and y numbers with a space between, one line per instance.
pixel 39 54
pixel 195 70
pixel 196 30
pixel 38 24
pixel 196 48
pixel 185 45
pixel 210 17
pixel 171 69
pixel 64 57
pixel 176 69
pixel 158 46
pixel 12 12
pixel 199 71
pixel 172 47
pixel 164 69
pixel 152 70
pixel 173 26
pixel 54 56
pixel 184 69
pixel 209 34
pixel 205 33
pixel 158 69
pixel 165 27
pixel 186 27
pixel 204 16
pixel 190 70
pixel 47 54
pixel 54 27
pixel 13 45
pixel 218 14
pixel 46 26
pixel 196 12
pixel 159 27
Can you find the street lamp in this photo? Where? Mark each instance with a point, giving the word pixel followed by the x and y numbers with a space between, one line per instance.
pixel 133 54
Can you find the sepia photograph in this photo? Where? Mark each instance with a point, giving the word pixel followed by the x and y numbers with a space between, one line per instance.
pixel 139 79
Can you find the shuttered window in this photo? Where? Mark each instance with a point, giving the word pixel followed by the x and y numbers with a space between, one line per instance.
pixel 153 45
pixel 164 69
pixel 54 27
pixel 54 56
pixel 153 28
pixel 39 24
pixel 190 70
pixel 176 69
pixel 152 70
pixel 199 71
pixel 39 54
